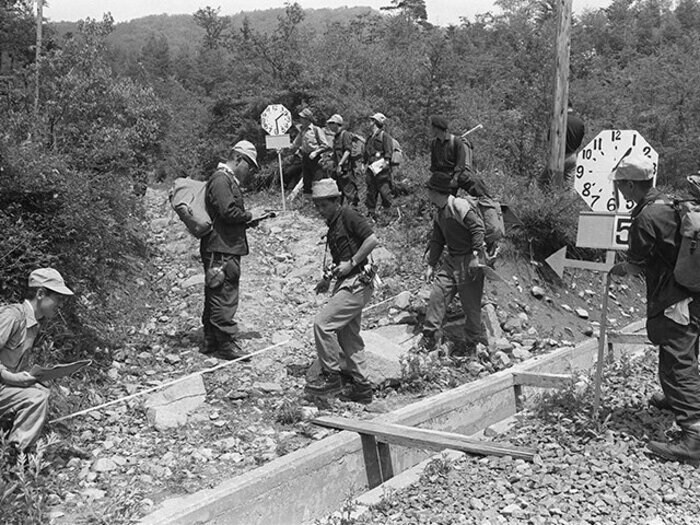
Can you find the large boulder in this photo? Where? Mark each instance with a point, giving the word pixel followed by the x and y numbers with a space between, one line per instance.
pixel 385 261
pixel 170 407
pixel 384 348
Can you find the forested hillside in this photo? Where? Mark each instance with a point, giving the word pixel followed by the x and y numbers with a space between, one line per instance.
pixel 164 95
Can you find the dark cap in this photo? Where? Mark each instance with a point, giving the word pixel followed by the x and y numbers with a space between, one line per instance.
pixel 440 182
pixel 439 122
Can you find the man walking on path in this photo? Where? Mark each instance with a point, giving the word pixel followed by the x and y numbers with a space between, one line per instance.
pixel 311 142
pixel 673 312
pixel 222 248
pixel 448 154
pixel 458 226
pixel 21 398
pixel 343 162
pixel 378 151
pixel 339 346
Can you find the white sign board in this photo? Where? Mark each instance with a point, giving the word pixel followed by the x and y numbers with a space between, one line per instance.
pixel 276 119
pixel 595 164
pixel 277 141
pixel 608 231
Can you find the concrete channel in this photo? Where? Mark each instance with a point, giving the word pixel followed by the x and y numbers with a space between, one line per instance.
pixel 316 481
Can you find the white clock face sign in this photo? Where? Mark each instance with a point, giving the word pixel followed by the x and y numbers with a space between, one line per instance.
pixel 596 161
pixel 276 119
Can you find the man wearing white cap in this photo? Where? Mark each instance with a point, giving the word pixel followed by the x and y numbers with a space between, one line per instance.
pixel 21 398
pixel 344 163
pixel 222 248
pixel 339 346
pixel 310 142
pixel 673 312
pixel 378 151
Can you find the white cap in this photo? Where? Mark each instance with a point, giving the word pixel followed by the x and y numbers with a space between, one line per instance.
pixel 50 279
pixel 379 117
pixel 247 149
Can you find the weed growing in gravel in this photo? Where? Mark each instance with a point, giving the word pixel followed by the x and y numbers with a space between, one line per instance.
pixel 437 468
pixel 22 483
pixel 288 412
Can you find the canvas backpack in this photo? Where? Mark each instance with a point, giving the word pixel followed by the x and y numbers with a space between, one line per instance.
pixel 397 156
pixel 357 150
pixel 468 148
pixel 686 271
pixel 188 199
pixel 492 216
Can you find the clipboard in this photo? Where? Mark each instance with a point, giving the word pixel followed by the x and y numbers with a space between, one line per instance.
pixel 57 371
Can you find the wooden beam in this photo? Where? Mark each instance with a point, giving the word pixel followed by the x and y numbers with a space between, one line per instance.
pixel 557 130
pixel 423 438
pixel 541 379
pixel 372 465
pixel 628 339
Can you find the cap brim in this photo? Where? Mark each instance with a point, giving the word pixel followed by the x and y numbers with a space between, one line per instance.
pixel 63 290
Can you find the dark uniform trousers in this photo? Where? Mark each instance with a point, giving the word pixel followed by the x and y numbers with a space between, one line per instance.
pixel 311 171
pixel 348 182
pixel 451 280
pixel 221 302
pixel 379 184
pixel 678 362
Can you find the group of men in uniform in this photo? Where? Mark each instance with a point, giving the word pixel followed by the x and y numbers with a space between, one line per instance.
pixel 457 228
pixel 351 157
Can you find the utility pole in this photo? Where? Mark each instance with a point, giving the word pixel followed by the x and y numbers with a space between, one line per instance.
pixel 39 20
pixel 557 129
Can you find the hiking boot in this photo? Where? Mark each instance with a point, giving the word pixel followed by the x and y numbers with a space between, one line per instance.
pixel 427 343
pixel 327 384
pixel 229 351
pixel 358 393
pixel 464 350
pixel 687 448
pixel 659 401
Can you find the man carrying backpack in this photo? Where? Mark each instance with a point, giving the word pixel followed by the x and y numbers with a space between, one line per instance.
pixel 339 345
pixel 221 250
pixel 344 163
pixel 311 142
pixel 457 225
pixel 378 152
pixel 448 155
pixel 673 312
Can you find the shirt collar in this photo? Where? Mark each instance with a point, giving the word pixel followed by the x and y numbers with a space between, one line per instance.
pixel 29 314
pixel 224 167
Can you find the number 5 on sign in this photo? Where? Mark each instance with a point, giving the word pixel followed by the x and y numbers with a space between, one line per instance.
pixel 603 230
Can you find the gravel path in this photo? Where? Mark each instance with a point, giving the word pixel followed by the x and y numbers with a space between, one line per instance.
pixel 586 472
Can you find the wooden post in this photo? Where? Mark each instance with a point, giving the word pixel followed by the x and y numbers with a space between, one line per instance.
pixel 39 20
pixel 609 259
pixel 557 129
pixel 279 159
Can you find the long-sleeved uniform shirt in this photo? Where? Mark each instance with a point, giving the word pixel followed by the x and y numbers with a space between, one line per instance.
pixel 311 139
pixel 225 206
pixel 457 225
pixel 654 241
pixel 379 145
pixel 18 329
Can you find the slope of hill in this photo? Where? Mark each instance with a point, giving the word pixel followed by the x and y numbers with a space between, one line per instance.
pixel 182 32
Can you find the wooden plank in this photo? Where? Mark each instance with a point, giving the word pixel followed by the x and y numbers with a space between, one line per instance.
pixel 423 438
pixel 372 465
pixel 628 339
pixel 541 379
pixel 385 461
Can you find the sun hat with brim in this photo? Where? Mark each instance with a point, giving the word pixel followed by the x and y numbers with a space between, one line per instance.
pixel 335 119
pixel 247 149
pixel 379 118
pixel 306 113
pixel 440 182
pixel 636 167
pixel 50 279
pixel 324 189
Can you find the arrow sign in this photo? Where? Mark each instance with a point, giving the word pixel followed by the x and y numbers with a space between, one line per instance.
pixel 558 261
